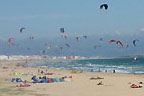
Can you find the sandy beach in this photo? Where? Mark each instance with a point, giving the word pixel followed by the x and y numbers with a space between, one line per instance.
pixel 83 83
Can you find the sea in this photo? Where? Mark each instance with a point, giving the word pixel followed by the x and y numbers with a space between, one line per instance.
pixel 119 65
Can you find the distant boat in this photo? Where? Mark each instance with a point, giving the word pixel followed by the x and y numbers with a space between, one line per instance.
pixel 135 58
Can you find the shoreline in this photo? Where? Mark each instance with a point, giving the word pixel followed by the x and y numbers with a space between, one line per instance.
pixel 24 62
pixel 114 84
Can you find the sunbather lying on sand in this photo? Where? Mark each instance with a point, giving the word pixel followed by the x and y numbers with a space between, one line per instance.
pixel 95 78
pixel 100 83
pixel 135 86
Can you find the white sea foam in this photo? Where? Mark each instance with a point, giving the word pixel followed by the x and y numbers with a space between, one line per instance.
pixel 120 66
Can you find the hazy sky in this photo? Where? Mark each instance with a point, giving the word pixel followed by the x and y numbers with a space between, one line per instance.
pixel 43 18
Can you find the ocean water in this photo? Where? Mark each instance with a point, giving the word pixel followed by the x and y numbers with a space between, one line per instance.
pixel 122 65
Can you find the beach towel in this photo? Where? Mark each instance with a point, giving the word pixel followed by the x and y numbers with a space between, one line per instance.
pixel 23 85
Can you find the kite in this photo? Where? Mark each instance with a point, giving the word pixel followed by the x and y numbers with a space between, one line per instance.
pixel 67 45
pixel 31 37
pixel 77 38
pixel 64 36
pixel 134 42
pixel 104 5
pixel 21 29
pixel 10 41
pixel 49 47
pixel 112 41
pixel 62 30
pixel 101 39
pixel 85 36
pixel 119 42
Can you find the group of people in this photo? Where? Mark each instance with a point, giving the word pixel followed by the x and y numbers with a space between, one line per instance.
pixel 114 71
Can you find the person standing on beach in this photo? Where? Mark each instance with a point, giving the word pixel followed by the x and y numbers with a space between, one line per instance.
pixel 99 70
pixel 106 71
pixel 91 70
pixel 38 71
pixel 113 71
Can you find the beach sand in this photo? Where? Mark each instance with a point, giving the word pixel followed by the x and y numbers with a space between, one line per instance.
pixel 81 85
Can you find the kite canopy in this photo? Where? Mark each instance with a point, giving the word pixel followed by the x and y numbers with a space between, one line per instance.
pixel 119 42
pixel 77 38
pixel 21 29
pixel 31 37
pixel 67 45
pixel 104 6
pixel 85 36
pixel 101 39
pixel 64 36
pixel 49 47
pixel 62 30
pixel 10 41
pixel 112 41
pixel 134 42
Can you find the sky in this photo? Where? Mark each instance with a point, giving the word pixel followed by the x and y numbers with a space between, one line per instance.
pixel 43 18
